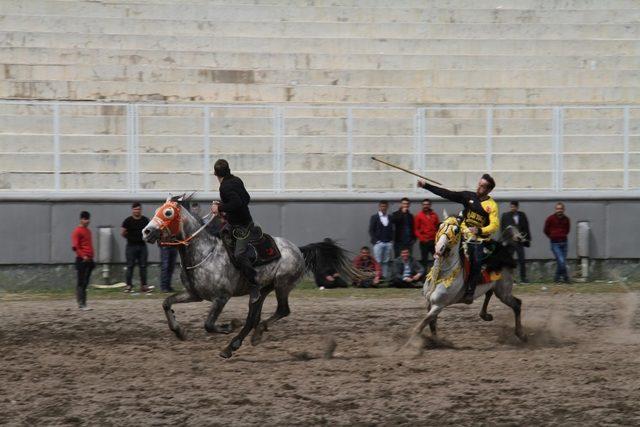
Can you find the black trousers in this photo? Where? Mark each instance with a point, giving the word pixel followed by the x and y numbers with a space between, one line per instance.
pixel 137 254
pixel 399 283
pixel 521 261
pixel 83 270
pixel 426 248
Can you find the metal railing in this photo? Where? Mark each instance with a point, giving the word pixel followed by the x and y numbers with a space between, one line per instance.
pixel 126 149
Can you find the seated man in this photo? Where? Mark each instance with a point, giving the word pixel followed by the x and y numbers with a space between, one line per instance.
pixel 366 263
pixel 328 279
pixel 407 272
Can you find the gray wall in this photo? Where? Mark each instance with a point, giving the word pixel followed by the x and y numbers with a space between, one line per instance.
pixel 39 232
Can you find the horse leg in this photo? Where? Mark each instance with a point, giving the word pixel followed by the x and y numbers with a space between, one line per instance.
pixel 433 327
pixel 507 298
pixel 210 324
pixel 282 295
pixel 253 318
pixel 431 316
pixel 483 313
pixel 180 298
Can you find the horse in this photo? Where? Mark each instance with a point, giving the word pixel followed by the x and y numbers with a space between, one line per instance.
pixel 445 285
pixel 207 272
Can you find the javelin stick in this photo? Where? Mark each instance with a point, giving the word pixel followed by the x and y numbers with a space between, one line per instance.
pixel 405 170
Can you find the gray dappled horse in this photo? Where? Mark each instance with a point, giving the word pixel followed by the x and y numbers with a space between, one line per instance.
pixel 208 274
pixel 445 283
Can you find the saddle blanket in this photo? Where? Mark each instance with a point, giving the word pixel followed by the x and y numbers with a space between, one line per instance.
pixel 486 277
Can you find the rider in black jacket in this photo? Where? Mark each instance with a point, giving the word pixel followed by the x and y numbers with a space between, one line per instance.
pixel 234 205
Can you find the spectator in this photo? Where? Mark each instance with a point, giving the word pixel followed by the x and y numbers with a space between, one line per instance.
pixel 83 247
pixel 381 233
pixel 518 219
pixel 402 220
pixel 407 272
pixel 136 251
pixel 365 262
pixel 328 279
pixel 168 256
pixel 194 209
pixel 426 226
pixel 557 227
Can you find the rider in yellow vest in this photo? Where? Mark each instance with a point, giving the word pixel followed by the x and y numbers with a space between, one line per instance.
pixel 480 221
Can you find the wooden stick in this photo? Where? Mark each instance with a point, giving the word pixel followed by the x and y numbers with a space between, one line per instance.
pixel 405 170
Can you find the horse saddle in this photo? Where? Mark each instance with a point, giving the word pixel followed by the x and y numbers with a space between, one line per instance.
pixel 261 247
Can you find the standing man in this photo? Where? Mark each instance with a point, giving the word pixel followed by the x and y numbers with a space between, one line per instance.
pixel 479 221
pixel 168 256
pixel 136 251
pixel 234 205
pixel 557 227
pixel 426 227
pixel 381 233
pixel 404 235
pixel 518 219
pixel 82 245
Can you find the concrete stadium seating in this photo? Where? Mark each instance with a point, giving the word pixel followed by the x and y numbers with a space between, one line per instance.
pixel 332 52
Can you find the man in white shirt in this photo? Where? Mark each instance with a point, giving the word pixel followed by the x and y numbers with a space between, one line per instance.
pixel 381 233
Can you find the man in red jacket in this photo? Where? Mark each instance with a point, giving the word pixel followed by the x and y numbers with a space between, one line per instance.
pixel 557 227
pixel 83 247
pixel 425 227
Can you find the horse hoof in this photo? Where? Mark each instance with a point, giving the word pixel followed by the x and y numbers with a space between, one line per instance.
pixel 181 333
pixel 522 337
pixel 226 353
pixel 486 317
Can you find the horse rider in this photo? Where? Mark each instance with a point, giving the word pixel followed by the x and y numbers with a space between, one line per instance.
pixel 234 205
pixel 480 221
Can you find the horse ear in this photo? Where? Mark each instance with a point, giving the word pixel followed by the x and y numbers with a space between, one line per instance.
pixel 168 198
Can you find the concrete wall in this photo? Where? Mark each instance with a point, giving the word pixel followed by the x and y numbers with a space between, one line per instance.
pixel 445 51
pixel 38 232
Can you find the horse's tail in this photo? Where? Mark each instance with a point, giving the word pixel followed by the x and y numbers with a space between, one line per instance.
pixel 327 255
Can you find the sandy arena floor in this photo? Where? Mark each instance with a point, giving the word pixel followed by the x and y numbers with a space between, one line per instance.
pixel 120 365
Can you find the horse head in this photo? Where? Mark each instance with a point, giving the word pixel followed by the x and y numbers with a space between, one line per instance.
pixel 166 223
pixel 448 236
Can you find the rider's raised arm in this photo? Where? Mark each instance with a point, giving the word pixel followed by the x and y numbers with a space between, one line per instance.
pixel 454 196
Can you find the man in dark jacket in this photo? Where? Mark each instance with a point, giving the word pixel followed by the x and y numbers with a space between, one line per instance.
pixel 407 272
pixel 234 206
pixel 557 227
pixel 404 234
pixel 381 234
pixel 518 219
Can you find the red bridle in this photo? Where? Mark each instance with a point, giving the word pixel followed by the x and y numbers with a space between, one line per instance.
pixel 167 218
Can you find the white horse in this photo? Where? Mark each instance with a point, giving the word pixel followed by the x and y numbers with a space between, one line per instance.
pixel 445 283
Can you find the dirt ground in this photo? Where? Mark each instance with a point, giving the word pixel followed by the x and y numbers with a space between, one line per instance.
pixel 120 365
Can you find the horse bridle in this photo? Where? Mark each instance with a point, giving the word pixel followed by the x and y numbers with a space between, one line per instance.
pixel 167 217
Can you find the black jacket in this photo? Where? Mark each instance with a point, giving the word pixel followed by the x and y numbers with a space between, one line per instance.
pixel 378 232
pixel 522 226
pixel 403 228
pixel 235 201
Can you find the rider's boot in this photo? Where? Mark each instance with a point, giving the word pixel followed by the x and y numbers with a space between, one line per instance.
pixel 250 273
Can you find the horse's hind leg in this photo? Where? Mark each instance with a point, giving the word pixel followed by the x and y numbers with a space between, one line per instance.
pixel 282 295
pixel 253 318
pixel 180 298
pixel 483 313
pixel 504 294
pixel 210 324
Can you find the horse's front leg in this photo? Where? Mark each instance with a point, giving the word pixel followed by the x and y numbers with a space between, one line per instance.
pixel 253 318
pixel 180 298
pixel 483 313
pixel 210 324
